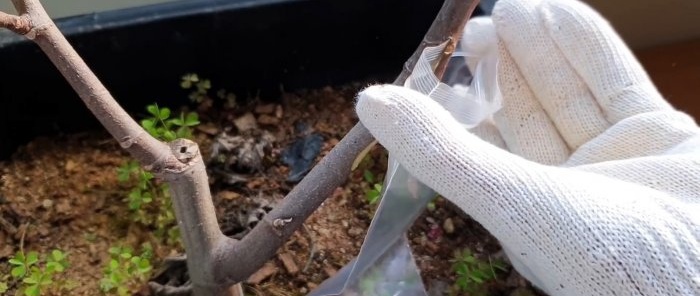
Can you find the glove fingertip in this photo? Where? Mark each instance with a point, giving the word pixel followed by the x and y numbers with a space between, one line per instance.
pixel 382 98
pixel 479 37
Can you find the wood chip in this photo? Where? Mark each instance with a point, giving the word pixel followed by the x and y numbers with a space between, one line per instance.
pixel 279 112
pixel 228 195
pixel 289 263
pixel 265 109
pixel 208 128
pixel 6 251
pixel 265 272
pixel 245 122
pixel 268 120
pixel 70 166
pixel 330 271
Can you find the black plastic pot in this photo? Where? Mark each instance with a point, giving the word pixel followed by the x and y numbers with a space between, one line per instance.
pixel 251 47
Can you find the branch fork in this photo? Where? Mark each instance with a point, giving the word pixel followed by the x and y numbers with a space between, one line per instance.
pixel 216 262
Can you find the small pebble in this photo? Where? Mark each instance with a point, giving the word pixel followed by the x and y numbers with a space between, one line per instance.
pixel 355 231
pixel 245 122
pixel 434 233
pixel 47 203
pixel 448 226
pixel 268 120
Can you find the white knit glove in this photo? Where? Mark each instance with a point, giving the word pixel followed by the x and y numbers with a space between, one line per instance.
pixel 586 176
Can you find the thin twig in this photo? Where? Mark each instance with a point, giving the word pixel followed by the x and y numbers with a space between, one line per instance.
pixel 15 23
pixel 312 248
pixel 9 228
pixel 21 239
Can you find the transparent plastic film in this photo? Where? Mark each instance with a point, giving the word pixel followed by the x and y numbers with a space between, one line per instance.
pixel 385 265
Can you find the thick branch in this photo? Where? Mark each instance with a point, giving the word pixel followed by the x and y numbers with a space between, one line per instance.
pixel 240 259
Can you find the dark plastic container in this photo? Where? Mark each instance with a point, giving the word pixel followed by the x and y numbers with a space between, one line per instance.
pixel 250 47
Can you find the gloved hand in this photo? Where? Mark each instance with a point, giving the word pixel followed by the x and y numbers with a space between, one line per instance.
pixel 589 179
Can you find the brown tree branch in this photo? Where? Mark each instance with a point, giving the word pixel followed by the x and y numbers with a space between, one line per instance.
pixel 240 259
pixel 214 261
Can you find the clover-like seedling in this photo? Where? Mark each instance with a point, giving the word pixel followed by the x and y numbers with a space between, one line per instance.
pixel 125 269
pixel 34 277
pixel 372 195
pixel 472 273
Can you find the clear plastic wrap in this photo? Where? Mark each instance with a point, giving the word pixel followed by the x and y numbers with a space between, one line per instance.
pixel 385 265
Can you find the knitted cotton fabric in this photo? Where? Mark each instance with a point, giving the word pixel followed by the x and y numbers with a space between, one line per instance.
pixel 586 176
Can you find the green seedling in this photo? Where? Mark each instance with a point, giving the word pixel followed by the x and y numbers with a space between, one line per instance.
pixel 163 127
pixel 375 191
pixel 125 269
pixel 34 275
pixel 200 90
pixel 472 273
pixel 149 199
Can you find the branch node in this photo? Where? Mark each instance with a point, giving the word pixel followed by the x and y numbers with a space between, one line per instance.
pixel 280 222
pixel 38 29
pixel 184 150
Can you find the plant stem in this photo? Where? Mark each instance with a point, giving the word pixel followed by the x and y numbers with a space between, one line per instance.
pixel 240 259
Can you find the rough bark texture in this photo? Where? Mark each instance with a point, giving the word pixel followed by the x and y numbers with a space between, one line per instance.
pixel 214 261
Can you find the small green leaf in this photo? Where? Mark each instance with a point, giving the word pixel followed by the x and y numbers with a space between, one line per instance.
pixel 177 121
pixel 54 266
pixel 164 113
pixel 372 196
pixel 203 86
pixel 3 287
pixel 191 119
pixel 431 206
pixel 32 257
pixel 188 79
pixel 18 271
pixel 33 279
pixel 147 197
pixel 369 176
pixel 183 132
pixel 125 255
pixel 32 290
pixel 113 264
pixel 148 123
pixel 153 109
pixel 123 174
pixel 169 136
